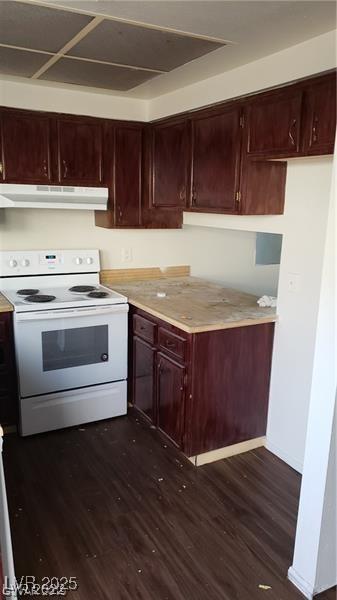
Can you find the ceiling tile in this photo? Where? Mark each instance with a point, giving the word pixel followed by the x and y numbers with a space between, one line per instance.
pixel 21 63
pixel 38 27
pixel 140 46
pixel 81 72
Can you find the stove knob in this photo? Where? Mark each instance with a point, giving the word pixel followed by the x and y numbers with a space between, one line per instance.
pixel 90 260
pixel 13 263
pixel 25 262
pixel 78 260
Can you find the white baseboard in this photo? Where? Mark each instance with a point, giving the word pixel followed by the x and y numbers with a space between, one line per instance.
pixel 306 588
pixel 290 460
pixel 226 452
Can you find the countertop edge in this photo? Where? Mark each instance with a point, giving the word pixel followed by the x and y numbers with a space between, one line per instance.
pixel 5 305
pixel 203 328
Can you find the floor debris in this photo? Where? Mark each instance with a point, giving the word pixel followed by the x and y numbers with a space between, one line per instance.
pixel 264 587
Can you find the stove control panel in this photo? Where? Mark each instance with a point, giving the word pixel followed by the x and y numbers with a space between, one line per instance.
pixel 42 262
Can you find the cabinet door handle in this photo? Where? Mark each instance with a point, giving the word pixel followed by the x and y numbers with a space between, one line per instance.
pixel 65 169
pixel 45 168
pixel 120 213
pixel 182 193
pixel 194 196
pixel 314 129
pixel 291 129
pixel 1 168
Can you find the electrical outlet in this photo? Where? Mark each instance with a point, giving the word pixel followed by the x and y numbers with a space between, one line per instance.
pixel 126 255
pixel 294 281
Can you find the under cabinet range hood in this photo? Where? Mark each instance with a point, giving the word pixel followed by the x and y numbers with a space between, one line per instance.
pixel 52 196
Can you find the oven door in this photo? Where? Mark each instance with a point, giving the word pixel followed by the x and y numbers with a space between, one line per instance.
pixel 70 348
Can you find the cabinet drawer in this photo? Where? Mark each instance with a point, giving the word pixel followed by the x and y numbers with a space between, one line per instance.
pixel 144 328
pixel 171 343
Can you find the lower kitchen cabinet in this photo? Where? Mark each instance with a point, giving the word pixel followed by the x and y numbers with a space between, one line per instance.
pixel 203 390
pixel 8 387
pixel 170 397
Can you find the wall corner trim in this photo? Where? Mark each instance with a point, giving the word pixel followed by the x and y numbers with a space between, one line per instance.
pixel 304 586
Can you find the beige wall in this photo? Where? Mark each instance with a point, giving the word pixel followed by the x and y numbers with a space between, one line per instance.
pixel 72 99
pixel 225 256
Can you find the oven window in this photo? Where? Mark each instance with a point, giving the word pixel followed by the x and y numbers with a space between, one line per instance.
pixel 67 348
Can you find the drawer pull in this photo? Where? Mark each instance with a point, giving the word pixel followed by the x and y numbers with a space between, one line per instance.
pixel 146 329
pixel 170 344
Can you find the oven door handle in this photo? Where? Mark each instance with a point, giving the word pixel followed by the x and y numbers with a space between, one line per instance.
pixel 76 312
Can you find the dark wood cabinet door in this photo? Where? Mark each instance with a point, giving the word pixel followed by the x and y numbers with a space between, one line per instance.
pixel 263 184
pixel 143 377
pixel 79 151
pixel 273 123
pixel 170 398
pixel 229 403
pixel 8 387
pixel 320 117
pixel 215 161
pixel 127 184
pixel 25 147
pixel 169 164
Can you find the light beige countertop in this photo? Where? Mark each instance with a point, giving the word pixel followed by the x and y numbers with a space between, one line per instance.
pixel 5 305
pixel 195 305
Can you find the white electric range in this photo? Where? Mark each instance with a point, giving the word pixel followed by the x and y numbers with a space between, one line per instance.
pixel 70 338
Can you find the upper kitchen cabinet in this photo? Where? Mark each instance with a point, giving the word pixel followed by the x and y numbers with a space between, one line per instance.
pixel 25 147
pixel 122 165
pixel 273 122
pixel 162 208
pixel 79 151
pixel 127 185
pixel 169 177
pixel 216 143
pixel 320 116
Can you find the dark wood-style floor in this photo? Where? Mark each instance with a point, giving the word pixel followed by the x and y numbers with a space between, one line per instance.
pixel 117 506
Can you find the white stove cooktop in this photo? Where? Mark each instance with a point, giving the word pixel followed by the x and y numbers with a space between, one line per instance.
pixel 64 298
